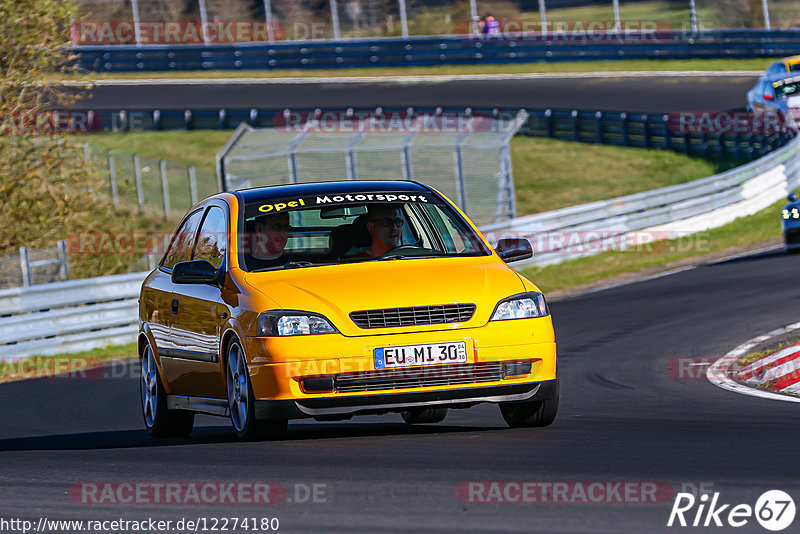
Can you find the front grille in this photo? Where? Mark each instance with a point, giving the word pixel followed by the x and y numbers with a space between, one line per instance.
pixel 405 378
pixel 413 316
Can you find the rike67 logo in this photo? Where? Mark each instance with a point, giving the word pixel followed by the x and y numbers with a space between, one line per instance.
pixel 774 510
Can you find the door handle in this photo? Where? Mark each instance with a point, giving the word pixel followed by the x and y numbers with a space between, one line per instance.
pixel 174 306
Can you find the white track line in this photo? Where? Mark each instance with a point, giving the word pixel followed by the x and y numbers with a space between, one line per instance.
pixel 403 80
pixel 717 374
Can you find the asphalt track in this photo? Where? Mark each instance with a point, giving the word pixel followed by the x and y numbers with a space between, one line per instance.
pixel 623 418
pixel 643 92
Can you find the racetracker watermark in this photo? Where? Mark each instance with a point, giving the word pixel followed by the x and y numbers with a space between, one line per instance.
pixel 686 368
pixel 50 122
pixel 401 122
pixel 196 492
pixel 733 122
pixel 117 32
pixel 576 30
pixel 607 240
pixel 565 492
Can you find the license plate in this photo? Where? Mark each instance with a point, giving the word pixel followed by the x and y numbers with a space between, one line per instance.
pixel 427 354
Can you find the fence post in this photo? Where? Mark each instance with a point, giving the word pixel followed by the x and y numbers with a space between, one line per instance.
pixel 335 20
pixel 268 16
pixel 458 161
pixel 63 260
pixel 25 266
pixel 645 125
pixel 162 164
pixel 137 172
pixel 543 18
pixel 137 31
pixel 548 115
pixel 112 176
pixel 203 20
pixel 765 8
pixel 403 18
pixel 192 184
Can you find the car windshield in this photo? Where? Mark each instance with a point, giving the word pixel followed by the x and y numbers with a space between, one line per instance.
pixel 298 232
pixel 785 89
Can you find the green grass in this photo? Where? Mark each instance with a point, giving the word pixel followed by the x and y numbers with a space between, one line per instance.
pixel 548 174
pixel 441 70
pixel 71 364
pixel 761 226
pixel 668 15
pixel 753 356
pixel 195 147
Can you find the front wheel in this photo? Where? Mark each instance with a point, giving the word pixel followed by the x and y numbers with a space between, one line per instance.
pixel 241 400
pixel 530 413
pixel 160 421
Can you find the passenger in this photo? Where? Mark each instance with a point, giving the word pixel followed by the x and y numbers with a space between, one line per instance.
pixel 271 232
pixel 384 225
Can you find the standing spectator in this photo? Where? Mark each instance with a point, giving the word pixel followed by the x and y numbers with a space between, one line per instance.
pixel 490 26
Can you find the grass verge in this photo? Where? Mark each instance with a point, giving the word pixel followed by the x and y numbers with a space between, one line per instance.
pixel 446 70
pixel 79 365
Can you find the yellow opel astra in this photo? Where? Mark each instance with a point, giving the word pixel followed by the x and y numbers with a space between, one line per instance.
pixel 329 300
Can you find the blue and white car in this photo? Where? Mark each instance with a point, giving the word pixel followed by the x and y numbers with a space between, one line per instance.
pixel 791 223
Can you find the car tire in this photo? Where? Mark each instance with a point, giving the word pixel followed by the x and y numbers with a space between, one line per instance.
pixel 241 400
pixel 530 413
pixel 417 416
pixel 160 421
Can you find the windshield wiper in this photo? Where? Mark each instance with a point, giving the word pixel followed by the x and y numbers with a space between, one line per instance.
pixel 298 264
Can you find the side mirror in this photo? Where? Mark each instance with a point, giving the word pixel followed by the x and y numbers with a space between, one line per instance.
pixel 768 96
pixel 514 249
pixel 792 197
pixel 194 272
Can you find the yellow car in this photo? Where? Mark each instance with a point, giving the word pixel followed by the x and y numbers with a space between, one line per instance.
pixel 329 300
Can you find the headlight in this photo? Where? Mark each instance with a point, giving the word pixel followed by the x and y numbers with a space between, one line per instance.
pixel 522 306
pixel 292 323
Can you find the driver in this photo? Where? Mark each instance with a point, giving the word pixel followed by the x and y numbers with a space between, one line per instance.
pixel 384 225
pixel 271 232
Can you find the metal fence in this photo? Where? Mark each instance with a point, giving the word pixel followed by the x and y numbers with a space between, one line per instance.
pixel 466 156
pixel 438 50
pixel 207 22
pixel 153 186
pixel 32 266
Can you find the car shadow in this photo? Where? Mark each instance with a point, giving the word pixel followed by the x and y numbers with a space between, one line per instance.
pixel 125 439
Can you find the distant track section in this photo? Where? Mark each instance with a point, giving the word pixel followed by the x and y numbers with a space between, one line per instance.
pixel 643 92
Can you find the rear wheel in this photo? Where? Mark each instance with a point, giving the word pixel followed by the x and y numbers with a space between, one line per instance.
pixel 241 400
pixel 416 416
pixel 530 413
pixel 158 419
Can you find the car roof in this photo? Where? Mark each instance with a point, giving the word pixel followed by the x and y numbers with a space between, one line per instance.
pixel 257 194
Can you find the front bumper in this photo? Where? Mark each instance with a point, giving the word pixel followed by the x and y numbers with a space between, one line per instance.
pixel 346 407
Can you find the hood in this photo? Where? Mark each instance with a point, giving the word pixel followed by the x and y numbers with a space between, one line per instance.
pixel 336 290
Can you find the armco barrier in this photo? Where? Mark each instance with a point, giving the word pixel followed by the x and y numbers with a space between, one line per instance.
pixel 82 314
pixel 439 50
pixel 675 210
pixel 69 316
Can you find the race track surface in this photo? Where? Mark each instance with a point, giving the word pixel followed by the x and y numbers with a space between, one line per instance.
pixel 622 418
pixel 648 94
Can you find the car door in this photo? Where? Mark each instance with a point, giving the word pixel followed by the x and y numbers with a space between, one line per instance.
pixel 157 295
pixel 196 317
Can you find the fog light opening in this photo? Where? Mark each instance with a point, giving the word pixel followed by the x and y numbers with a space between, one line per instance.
pixel 516 369
pixel 317 384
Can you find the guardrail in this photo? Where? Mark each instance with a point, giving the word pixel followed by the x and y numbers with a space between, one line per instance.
pixel 439 50
pixel 667 212
pixel 83 314
pixel 640 130
pixel 69 316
